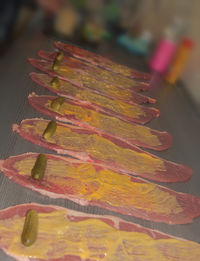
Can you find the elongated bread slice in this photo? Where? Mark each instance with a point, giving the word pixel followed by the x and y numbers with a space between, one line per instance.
pixel 86 69
pixel 100 123
pixel 101 61
pixel 90 184
pixel 84 96
pixel 88 146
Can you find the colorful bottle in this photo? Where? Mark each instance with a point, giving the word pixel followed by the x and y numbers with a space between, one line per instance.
pixel 167 46
pixel 179 61
pixel 163 56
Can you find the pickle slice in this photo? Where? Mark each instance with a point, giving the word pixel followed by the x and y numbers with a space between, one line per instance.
pixel 56 65
pixel 39 168
pixel 59 56
pixel 55 104
pixel 57 61
pixel 29 234
pixel 50 130
pixel 54 82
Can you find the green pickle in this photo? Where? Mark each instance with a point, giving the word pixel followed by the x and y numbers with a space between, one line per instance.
pixel 56 65
pixel 54 82
pixel 55 104
pixel 39 168
pixel 59 56
pixel 29 234
pixel 58 59
pixel 50 130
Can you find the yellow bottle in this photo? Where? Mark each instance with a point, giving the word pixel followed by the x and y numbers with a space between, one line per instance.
pixel 179 61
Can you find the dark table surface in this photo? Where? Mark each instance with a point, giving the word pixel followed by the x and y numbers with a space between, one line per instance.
pixel 177 117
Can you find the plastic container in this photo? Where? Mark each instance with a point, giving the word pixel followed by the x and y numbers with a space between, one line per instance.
pixel 179 61
pixel 167 46
pixel 163 56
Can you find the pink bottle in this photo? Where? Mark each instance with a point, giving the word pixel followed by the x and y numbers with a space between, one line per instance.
pixel 167 46
pixel 163 56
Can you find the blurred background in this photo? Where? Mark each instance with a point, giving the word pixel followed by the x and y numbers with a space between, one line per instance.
pixel 162 34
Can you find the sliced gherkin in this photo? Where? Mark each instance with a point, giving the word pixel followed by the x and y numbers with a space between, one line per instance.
pixel 55 82
pixel 55 104
pixel 59 56
pixel 50 130
pixel 30 230
pixel 56 65
pixel 39 168
pixel 57 61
